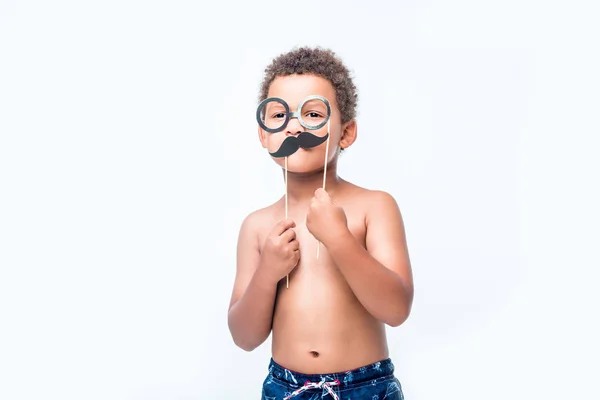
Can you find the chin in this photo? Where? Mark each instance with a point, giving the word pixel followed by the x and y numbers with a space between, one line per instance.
pixel 306 170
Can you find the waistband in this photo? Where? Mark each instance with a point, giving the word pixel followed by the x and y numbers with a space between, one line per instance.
pixel 369 372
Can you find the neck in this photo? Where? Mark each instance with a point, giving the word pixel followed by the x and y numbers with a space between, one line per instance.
pixel 301 186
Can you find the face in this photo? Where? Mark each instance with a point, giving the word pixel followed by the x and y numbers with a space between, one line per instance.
pixel 294 90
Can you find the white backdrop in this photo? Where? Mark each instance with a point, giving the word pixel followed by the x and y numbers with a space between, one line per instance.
pixel 129 157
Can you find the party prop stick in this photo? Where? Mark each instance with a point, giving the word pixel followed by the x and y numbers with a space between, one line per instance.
pixel 325 170
pixel 287 278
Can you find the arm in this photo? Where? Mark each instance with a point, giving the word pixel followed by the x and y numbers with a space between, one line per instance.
pixel 380 275
pixel 252 301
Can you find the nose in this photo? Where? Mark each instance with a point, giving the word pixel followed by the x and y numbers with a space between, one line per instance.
pixel 293 127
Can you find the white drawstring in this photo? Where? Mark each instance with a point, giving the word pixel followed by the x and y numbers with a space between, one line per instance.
pixel 313 385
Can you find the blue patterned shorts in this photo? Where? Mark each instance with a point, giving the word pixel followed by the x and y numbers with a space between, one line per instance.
pixel 371 382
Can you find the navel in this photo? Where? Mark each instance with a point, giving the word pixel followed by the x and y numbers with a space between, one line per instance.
pixel 314 353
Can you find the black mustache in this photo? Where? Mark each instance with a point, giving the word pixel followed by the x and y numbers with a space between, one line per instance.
pixel 291 144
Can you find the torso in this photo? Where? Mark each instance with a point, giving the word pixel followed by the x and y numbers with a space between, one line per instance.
pixel 319 326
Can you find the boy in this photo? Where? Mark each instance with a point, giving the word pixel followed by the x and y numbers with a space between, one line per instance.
pixel 328 325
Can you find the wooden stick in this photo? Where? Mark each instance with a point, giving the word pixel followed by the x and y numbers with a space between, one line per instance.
pixel 287 278
pixel 325 171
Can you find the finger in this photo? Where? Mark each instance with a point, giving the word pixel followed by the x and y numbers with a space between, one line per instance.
pixel 295 245
pixel 288 235
pixel 283 226
pixel 321 194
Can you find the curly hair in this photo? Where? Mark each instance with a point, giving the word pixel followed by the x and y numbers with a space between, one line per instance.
pixel 320 62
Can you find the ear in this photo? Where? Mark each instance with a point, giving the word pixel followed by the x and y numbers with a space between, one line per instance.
pixel 262 136
pixel 349 132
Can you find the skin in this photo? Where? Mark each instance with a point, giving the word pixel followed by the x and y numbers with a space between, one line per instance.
pixel 332 317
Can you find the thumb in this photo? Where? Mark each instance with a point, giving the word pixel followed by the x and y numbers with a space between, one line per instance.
pixel 321 194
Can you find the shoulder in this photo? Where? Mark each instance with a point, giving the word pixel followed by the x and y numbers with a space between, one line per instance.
pixel 381 203
pixel 385 231
pixel 257 219
pixel 373 200
pixel 249 230
pixel 254 227
pixel 380 197
pixel 375 205
pixel 254 219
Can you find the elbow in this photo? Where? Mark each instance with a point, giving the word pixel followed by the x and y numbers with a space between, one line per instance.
pixel 249 342
pixel 398 317
pixel 242 341
pixel 245 345
pixel 396 320
pixel 242 338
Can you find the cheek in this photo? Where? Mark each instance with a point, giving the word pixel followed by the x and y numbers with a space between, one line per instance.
pixel 336 136
pixel 274 140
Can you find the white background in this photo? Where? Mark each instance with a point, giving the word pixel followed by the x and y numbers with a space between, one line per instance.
pixel 129 157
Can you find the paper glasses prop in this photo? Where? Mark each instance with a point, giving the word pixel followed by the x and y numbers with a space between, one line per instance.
pixel 273 115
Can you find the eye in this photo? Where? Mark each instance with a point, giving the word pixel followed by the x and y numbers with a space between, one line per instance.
pixel 279 115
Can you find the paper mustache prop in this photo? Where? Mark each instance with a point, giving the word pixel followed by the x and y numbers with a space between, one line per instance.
pixel 291 144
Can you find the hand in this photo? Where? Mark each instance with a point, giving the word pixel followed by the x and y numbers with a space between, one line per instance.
pixel 280 252
pixel 325 220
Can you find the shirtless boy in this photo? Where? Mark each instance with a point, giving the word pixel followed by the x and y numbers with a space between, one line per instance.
pixel 327 314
